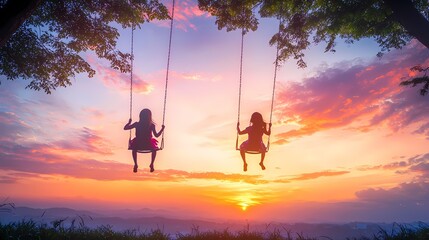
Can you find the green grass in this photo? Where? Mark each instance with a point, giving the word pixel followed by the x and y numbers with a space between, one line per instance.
pixel 29 229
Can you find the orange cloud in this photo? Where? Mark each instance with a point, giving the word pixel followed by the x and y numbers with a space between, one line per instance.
pixel 362 95
pixel 313 175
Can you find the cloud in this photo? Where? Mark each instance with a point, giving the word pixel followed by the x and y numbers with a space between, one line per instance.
pixel 17 135
pixel 311 176
pixel 39 160
pixel 349 94
pixel 8 180
pixel 60 158
pixel 85 140
pixel 11 126
pixel 194 76
pixel 93 112
pixel 417 165
pixel 314 175
pixel 414 193
pixel 184 13
pixel 115 79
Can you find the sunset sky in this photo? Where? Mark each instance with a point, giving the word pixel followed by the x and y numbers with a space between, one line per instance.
pixel 348 143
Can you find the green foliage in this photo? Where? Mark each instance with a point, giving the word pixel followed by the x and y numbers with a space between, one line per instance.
pixel 47 47
pixel 315 21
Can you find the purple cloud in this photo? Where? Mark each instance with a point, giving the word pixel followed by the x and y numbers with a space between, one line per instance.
pixel 367 94
pixel 415 193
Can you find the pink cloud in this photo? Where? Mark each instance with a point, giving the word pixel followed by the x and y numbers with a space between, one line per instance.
pixel 35 160
pixel 15 130
pixel 367 95
pixel 417 165
pixel 115 79
pixel 195 76
pixel 185 11
pixel 93 112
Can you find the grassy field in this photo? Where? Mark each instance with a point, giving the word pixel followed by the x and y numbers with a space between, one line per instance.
pixel 30 230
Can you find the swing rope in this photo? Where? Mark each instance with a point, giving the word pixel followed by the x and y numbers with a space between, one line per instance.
pixel 274 82
pixel 131 75
pixel 166 78
pixel 167 72
pixel 240 84
pixel 273 92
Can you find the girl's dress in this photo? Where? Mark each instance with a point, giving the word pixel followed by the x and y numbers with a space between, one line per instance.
pixel 143 139
pixel 254 142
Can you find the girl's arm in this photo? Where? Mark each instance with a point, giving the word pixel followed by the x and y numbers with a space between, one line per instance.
pixel 239 131
pixel 157 134
pixel 269 129
pixel 128 126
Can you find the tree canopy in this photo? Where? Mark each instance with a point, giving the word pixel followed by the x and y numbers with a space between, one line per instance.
pixel 392 23
pixel 41 40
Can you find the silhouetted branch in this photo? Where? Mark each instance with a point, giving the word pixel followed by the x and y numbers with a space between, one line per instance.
pixel 418 80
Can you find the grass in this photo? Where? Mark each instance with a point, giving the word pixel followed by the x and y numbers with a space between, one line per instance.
pixel 401 232
pixel 29 229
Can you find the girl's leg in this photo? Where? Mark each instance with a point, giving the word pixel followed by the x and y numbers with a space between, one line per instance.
pixel 152 161
pixel 243 156
pixel 262 160
pixel 135 160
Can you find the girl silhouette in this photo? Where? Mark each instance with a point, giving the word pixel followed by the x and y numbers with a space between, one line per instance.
pixel 254 142
pixel 145 127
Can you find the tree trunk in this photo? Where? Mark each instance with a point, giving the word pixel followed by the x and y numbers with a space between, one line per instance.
pixel 411 19
pixel 12 16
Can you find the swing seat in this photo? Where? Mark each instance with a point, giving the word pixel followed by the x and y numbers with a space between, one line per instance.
pixel 143 149
pixel 253 151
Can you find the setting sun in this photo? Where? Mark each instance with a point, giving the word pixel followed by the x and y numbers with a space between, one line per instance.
pixel 245 201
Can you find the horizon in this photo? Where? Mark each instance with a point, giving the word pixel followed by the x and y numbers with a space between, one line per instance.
pixel 348 143
pixel 123 221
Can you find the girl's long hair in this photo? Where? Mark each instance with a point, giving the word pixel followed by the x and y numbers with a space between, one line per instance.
pixel 146 117
pixel 257 121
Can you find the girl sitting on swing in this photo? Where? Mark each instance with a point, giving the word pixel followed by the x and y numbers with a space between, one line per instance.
pixel 145 127
pixel 254 142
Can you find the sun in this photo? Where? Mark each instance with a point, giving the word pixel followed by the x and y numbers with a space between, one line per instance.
pixel 246 200
pixel 243 206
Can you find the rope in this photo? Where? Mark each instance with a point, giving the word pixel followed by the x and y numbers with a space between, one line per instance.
pixel 166 77
pixel 131 74
pixel 240 83
pixel 167 73
pixel 274 82
pixel 274 85
pixel 241 74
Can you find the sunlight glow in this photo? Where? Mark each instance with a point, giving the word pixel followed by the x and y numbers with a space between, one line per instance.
pixel 246 200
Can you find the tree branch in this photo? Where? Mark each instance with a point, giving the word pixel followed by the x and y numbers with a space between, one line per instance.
pixel 411 19
pixel 12 16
